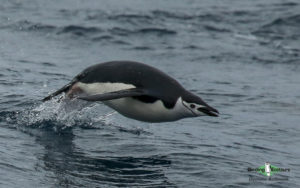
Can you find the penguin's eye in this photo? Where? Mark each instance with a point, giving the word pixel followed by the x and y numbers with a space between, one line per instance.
pixel 192 106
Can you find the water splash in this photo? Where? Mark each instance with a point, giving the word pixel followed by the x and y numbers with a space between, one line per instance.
pixel 60 115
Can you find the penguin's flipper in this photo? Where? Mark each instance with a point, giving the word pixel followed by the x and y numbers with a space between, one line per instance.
pixel 114 95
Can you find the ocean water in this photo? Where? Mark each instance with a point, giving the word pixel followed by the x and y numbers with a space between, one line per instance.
pixel 242 57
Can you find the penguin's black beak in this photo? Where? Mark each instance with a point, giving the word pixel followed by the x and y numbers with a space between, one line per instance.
pixel 203 108
pixel 210 111
pixel 206 109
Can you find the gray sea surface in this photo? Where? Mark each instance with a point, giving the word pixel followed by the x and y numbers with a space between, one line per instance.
pixel 242 57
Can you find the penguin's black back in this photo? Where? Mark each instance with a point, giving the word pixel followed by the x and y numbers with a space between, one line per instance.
pixel 138 74
pixel 157 84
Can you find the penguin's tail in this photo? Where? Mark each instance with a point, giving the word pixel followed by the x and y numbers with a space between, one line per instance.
pixel 61 90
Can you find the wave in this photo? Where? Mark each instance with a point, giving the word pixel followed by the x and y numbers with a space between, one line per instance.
pixel 90 32
pixel 160 14
pixel 287 27
pixel 288 21
pixel 78 30
pixel 286 4
pixel 137 17
pixel 216 29
pixel 48 64
pixel 25 25
pixel 159 31
pixel 143 31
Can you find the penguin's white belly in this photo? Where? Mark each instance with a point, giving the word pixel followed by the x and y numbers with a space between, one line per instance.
pixel 133 108
pixel 150 112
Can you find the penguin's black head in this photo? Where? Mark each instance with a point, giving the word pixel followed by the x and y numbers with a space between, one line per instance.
pixel 197 106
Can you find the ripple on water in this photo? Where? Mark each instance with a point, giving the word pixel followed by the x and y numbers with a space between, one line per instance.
pixel 47 64
pixel 277 29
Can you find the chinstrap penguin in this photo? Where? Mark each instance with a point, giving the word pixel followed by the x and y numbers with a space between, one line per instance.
pixel 137 91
